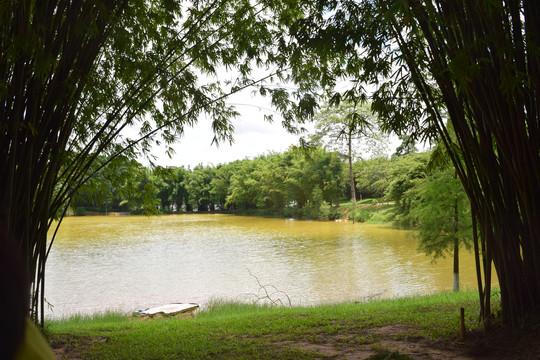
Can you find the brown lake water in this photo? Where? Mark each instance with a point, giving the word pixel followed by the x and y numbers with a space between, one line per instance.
pixel 129 263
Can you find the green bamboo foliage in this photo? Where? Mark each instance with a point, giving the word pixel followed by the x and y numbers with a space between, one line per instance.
pixel 474 64
pixel 75 74
pixel 42 78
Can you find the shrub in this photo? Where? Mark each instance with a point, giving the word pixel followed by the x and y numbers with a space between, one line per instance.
pixel 361 215
pixel 324 211
pixel 79 211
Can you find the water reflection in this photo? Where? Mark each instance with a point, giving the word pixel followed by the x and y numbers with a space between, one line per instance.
pixel 133 262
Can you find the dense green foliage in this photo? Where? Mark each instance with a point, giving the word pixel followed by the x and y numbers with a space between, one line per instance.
pixel 300 182
pixel 240 331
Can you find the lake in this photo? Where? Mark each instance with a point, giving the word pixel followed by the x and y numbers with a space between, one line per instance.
pixel 129 263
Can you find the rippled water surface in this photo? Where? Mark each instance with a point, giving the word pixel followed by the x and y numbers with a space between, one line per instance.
pixel 133 262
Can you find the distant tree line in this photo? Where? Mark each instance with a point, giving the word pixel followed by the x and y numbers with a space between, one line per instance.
pixel 300 182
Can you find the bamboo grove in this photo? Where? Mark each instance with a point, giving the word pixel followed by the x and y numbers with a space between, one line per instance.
pixel 75 74
pixel 474 65
pixel 485 62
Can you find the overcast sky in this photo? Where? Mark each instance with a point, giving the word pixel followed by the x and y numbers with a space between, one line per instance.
pixel 253 136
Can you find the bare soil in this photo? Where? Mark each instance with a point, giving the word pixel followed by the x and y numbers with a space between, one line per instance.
pixel 494 345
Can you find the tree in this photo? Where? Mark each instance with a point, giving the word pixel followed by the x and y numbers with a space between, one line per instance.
pixel 314 175
pixel 472 64
pixel 244 188
pixel 407 146
pixel 198 186
pixel 441 211
pixel 221 182
pixel 167 182
pixel 405 173
pixel 342 127
pixel 108 187
pixel 179 194
pixel 372 176
pixel 273 173
pixel 74 75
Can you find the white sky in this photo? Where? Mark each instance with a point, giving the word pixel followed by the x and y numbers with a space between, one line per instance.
pixel 253 136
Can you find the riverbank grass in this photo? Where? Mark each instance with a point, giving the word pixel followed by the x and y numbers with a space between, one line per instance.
pixel 238 331
pixel 371 211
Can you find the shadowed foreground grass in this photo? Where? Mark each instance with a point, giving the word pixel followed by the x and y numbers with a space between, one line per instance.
pixel 236 331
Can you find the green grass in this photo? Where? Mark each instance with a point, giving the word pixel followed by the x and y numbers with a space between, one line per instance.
pixel 371 211
pixel 237 331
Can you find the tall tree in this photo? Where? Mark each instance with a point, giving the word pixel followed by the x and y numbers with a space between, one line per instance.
pixel 475 64
pixel 349 128
pixel 372 176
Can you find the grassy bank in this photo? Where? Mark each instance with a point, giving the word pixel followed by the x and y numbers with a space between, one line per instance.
pixel 371 211
pixel 235 331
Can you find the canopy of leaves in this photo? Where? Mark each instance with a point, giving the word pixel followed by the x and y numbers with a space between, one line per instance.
pixel 347 123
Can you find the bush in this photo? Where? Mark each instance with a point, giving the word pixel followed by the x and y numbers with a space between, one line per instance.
pixel 335 214
pixel 324 211
pixel 360 215
pixel 309 212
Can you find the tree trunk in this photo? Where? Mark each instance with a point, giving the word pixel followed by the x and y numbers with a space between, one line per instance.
pixel 455 286
pixel 351 175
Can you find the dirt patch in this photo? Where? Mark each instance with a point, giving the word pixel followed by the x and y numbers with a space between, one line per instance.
pixel 69 347
pixel 498 345
pixel 327 350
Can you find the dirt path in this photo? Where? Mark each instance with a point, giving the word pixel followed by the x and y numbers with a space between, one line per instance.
pixel 498 345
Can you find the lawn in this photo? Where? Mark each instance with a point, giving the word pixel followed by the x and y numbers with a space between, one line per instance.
pixel 395 328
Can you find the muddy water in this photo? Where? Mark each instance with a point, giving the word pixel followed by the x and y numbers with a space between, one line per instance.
pixel 132 262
